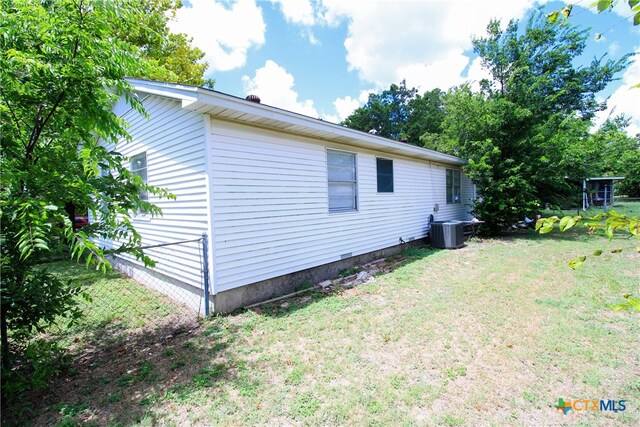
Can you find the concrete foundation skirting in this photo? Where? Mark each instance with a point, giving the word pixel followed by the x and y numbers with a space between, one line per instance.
pixel 228 301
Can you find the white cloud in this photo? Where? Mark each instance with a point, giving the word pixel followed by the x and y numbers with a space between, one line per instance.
pixel 274 85
pixel 422 41
pixel 476 73
pixel 225 32
pixel 625 99
pixel 331 118
pixel 300 12
pixel 312 38
pixel 345 106
pixel 297 11
pixel 364 95
pixel 614 48
pixel 442 73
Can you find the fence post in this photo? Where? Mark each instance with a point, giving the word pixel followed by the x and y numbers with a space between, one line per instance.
pixel 205 270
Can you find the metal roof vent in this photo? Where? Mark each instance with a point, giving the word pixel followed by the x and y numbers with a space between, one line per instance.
pixel 405 140
pixel 373 132
pixel 253 98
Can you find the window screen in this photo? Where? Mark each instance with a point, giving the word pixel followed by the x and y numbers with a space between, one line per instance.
pixel 385 175
pixel 342 181
pixel 453 186
pixel 139 167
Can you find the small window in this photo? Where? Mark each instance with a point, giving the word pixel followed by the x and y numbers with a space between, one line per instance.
pixel 139 167
pixel 385 175
pixel 453 186
pixel 343 184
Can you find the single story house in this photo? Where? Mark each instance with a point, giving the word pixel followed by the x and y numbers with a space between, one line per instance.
pixel 284 198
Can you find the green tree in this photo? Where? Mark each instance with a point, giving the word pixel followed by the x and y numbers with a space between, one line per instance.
pixel 620 154
pixel 169 56
pixel 61 70
pixel 426 116
pixel 489 132
pixel 533 111
pixel 400 113
pixel 385 112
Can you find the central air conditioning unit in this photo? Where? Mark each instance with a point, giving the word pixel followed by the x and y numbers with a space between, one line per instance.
pixel 447 234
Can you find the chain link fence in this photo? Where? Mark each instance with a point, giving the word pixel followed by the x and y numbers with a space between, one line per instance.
pixel 133 308
pixel 178 281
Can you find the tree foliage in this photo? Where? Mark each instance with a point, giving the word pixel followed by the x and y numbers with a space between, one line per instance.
pixel 400 112
pixel 169 56
pixel 518 131
pixel 61 70
pixel 619 155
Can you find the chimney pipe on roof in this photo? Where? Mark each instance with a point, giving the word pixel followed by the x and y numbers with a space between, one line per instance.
pixel 253 98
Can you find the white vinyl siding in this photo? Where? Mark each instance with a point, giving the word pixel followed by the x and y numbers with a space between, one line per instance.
pixel 271 204
pixel 172 140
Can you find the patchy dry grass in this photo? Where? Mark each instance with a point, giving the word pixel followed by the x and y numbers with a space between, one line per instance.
pixel 491 334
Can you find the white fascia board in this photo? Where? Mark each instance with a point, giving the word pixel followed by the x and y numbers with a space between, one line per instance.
pixel 186 94
pixel 194 98
pixel 207 97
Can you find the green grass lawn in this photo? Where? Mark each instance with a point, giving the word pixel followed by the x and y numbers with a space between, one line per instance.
pixel 116 306
pixel 629 208
pixel 491 334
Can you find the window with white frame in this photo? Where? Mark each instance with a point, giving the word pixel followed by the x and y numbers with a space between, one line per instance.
pixel 453 186
pixel 139 167
pixel 343 183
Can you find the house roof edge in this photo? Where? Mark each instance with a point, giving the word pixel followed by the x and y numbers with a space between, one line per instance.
pixel 197 98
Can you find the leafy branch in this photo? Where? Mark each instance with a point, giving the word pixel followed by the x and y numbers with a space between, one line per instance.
pixel 610 222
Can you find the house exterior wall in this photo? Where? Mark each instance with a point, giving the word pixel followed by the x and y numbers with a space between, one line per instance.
pixel 173 140
pixel 270 204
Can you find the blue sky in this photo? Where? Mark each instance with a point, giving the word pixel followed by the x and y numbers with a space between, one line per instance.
pixel 322 57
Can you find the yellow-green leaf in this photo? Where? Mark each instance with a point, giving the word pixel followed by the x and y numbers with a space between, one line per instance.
pixel 566 223
pixel 610 230
pixel 597 252
pixel 552 17
pixel 603 5
pixel 616 251
pixel 577 262
pixel 546 228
